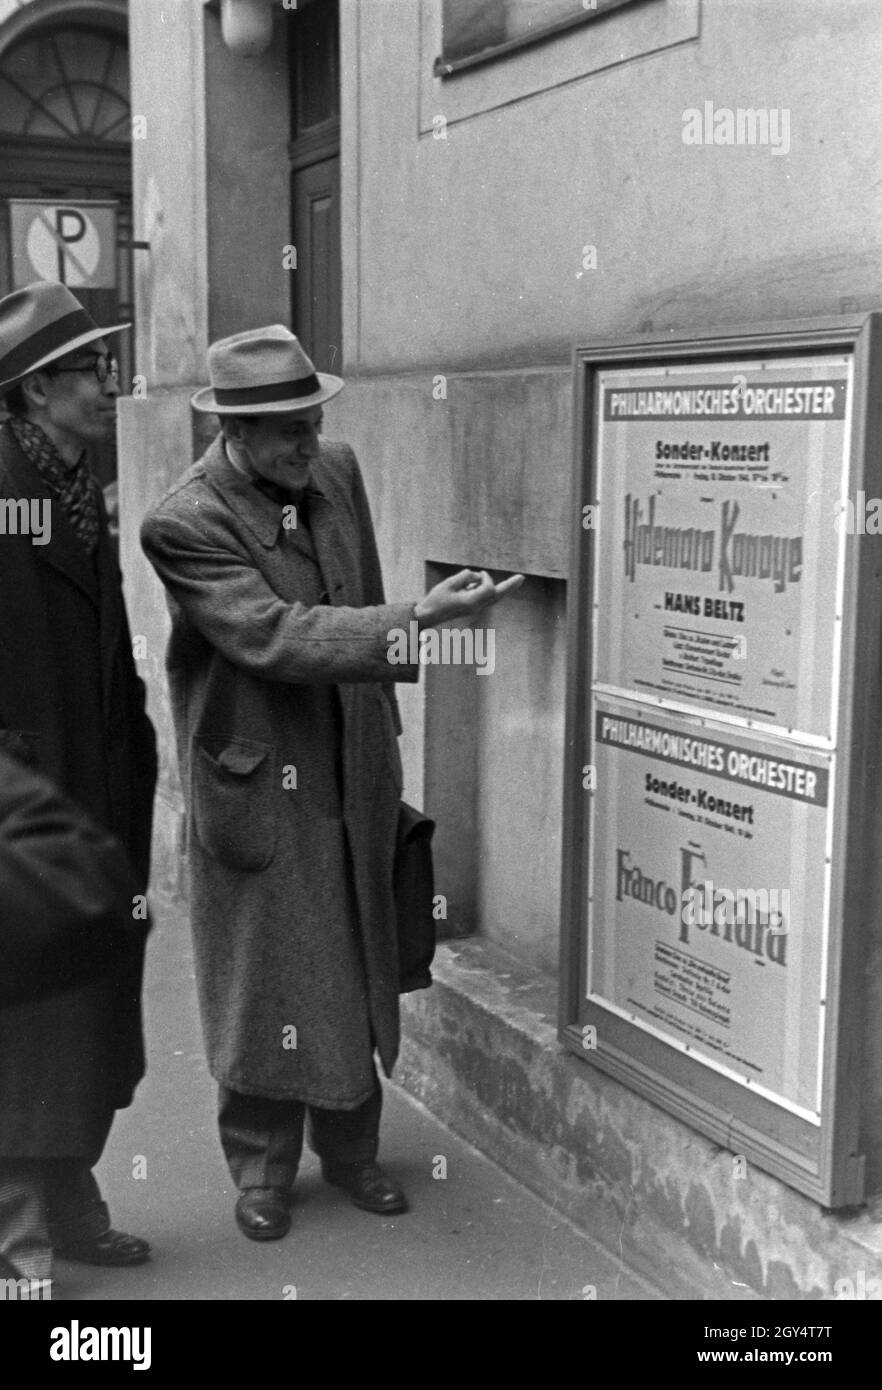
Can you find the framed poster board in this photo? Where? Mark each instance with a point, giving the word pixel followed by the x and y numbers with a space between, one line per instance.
pixel 720 813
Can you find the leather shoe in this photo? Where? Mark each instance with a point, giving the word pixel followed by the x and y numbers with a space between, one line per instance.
pixel 367 1186
pixel 111 1248
pixel 262 1213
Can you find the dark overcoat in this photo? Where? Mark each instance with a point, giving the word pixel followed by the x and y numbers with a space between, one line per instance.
pixel 72 705
pixel 66 890
pixel 287 729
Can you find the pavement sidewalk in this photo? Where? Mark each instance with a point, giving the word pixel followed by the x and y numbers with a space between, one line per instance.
pixel 473 1233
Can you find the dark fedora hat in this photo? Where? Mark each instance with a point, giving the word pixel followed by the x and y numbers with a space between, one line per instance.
pixel 263 371
pixel 40 323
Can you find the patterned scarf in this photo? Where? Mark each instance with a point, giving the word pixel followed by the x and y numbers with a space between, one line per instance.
pixel 72 481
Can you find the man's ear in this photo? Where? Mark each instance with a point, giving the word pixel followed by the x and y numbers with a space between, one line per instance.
pixel 232 429
pixel 33 388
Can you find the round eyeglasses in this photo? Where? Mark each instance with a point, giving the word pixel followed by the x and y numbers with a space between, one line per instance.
pixel 103 367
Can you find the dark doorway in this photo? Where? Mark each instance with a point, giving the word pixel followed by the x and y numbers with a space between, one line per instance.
pixel 315 181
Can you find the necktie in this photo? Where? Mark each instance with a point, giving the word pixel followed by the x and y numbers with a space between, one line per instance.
pixel 284 498
pixel 275 492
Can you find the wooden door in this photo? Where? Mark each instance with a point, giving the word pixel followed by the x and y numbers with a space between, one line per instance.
pixel 315 181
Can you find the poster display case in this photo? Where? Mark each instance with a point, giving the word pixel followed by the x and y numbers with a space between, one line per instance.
pixel 722 715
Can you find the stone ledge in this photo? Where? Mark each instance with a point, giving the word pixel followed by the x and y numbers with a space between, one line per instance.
pixel 480 1049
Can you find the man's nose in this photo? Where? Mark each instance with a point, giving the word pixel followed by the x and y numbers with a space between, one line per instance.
pixel 308 447
pixel 110 387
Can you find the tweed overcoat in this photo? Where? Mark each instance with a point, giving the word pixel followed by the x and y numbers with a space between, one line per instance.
pixel 287 724
pixel 72 706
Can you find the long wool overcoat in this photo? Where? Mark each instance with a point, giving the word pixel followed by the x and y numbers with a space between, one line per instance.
pixel 72 706
pixel 287 726
pixel 65 890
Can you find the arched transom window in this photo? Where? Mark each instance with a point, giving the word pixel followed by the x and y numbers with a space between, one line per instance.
pixel 66 84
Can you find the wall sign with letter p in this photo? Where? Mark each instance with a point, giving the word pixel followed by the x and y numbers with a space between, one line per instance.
pixel 74 243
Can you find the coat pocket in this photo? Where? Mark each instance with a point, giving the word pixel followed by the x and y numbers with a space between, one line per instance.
pixel 232 802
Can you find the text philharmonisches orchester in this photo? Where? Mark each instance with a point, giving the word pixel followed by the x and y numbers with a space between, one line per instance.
pixel 815 400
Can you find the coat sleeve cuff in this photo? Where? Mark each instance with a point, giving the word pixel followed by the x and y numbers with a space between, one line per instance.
pixel 402 637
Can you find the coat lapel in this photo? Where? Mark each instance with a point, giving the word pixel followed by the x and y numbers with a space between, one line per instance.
pixel 111 609
pixel 329 548
pixel 259 513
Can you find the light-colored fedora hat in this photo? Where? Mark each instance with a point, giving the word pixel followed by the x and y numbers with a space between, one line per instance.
pixel 261 372
pixel 40 323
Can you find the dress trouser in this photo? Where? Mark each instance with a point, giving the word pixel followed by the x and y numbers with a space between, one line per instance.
pixel 263 1139
pixel 50 1201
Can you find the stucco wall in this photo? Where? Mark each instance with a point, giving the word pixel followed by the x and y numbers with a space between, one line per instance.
pixel 467 251
pixel 454 483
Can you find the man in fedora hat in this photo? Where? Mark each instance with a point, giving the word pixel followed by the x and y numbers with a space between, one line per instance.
pixel 287 725
pixel 72 706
